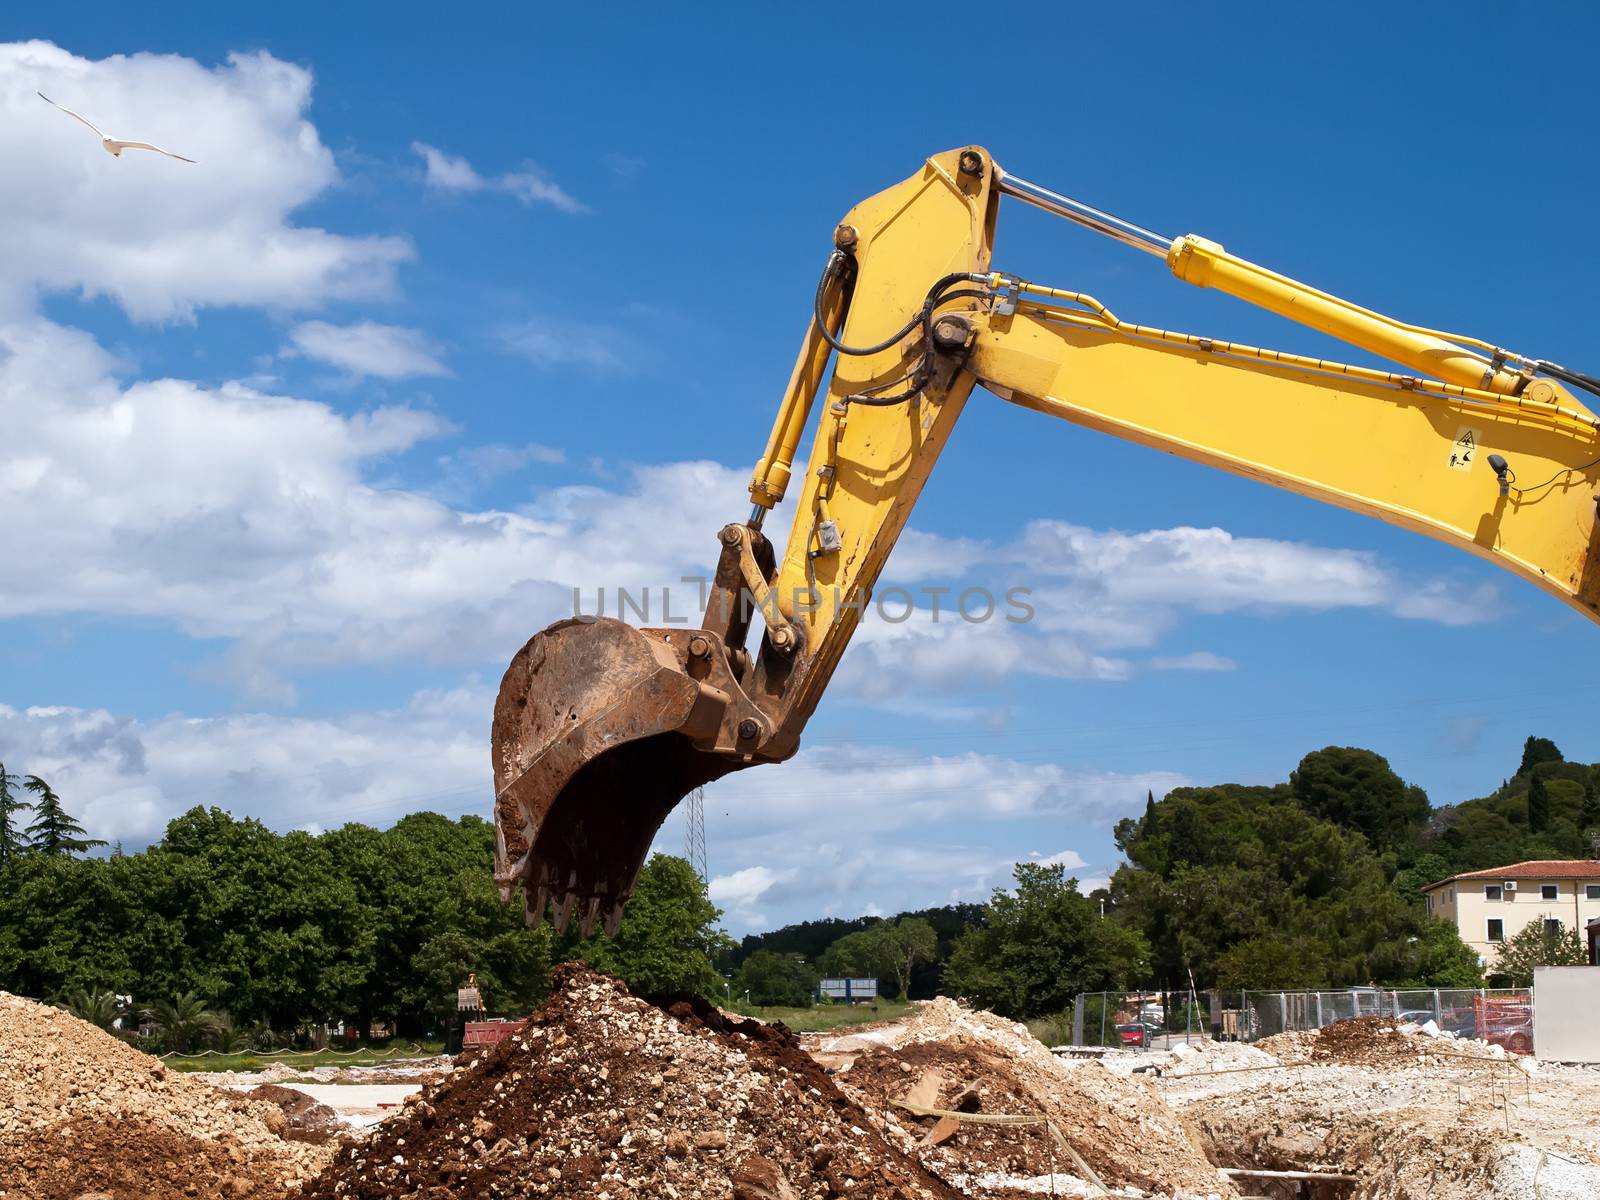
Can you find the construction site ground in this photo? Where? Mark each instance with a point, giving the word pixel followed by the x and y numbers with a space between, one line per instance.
pixel 609 1096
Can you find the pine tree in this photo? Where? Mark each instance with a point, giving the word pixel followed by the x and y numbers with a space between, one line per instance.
pixel 12 842
pixel 54 831
pixel 1148 825
pixel 1538 806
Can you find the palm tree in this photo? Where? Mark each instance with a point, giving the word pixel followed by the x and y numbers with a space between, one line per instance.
pixel 97 1008
pixel 183 1022
pixel 53 831
pixel 12 842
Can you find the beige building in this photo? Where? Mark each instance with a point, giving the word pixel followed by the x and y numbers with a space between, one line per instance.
pixel 1493 906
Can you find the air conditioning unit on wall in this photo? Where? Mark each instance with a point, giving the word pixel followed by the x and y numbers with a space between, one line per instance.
pixel 1510 885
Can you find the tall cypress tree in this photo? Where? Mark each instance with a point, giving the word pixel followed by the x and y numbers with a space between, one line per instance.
pixel 53 830
pixel 12 842
pixel 1538 806
pixel 1589 814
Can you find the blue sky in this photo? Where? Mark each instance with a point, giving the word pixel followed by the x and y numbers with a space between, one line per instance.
pixel 459 311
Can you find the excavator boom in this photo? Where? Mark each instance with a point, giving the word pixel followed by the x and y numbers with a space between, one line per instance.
pixel 601 728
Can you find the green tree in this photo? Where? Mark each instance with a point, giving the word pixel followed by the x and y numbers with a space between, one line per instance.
pixel 867 952
pixel 1539 944
pixel 885 950
pixel 97 1008
pixel 1041 944
pixel 914 942
pixel 1443 960
pixel 1589 814
pixel 1357 789
pixel 770 978
pixel 53 831
pixel 1537 750
pixel 1538 805
pixel 12 840
pixel 184 1022
pixel 669 937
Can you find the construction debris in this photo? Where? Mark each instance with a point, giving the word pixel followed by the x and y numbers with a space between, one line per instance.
pixel 603 1094
pixel 1092 1127
pixel 1408 1114
pixel 83 1112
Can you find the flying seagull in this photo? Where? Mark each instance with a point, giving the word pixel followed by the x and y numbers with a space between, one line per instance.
pixel 112 146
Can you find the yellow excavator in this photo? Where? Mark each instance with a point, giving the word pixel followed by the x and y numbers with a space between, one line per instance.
pixel 601 728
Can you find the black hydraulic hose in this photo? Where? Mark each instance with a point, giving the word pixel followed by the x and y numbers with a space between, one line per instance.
pixel 838 263
pixel 1576 378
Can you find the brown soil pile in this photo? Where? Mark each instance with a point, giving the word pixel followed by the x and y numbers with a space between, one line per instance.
pixel 1379 1042
pixel 81 1111
pixel 308 1120
pixel 1121 1127
pixel 605 1095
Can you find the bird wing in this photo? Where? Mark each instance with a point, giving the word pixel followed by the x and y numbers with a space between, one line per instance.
pixel 122 145
pixel 70 113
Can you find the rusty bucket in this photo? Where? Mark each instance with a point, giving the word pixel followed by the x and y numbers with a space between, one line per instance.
pixel 594 744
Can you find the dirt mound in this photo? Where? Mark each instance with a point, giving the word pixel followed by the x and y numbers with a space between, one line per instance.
pixel 1380 1042
pixel 308 1121
pixel 81 1111
pixel 604 1094
pixel 1121 1127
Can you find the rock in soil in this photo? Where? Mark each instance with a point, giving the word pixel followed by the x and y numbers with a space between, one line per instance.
pixel 308 1120
pixel 83 1112
pixel 603 1094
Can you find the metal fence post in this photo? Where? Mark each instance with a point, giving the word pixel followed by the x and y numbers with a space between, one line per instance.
pixel 1077 1020
pixel 1103 1018
pixel 1438 1009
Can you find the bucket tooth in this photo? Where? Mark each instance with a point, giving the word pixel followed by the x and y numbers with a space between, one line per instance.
pixel 533 906
pixel 613 919
pixel 563 911
pixel 590 911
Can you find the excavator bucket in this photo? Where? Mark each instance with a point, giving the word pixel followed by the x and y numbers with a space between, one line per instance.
pixel 592 749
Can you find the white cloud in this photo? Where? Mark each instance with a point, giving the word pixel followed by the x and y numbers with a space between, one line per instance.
pixel 529 184
pixel 1212 571
pixel 897 828
pixel 552 342
pixel 125 779
pixel 237 514
pixel 160 237
pixel 1196 660
pixel 368 348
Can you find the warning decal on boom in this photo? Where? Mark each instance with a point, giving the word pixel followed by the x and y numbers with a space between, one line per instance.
pixel 1464 450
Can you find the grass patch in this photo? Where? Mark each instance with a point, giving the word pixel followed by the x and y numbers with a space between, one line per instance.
pixel 255 1060
pixel 834 1016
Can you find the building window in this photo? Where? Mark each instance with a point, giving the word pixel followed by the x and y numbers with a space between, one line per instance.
pixel 1429 899
pixel 1552 927
pixel 1549 891
pixel 1591 891
pixel 1451 894
pixel 1497 929
pixel 1491 891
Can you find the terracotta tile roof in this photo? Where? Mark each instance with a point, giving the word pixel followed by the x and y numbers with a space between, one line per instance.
pixel 1537 868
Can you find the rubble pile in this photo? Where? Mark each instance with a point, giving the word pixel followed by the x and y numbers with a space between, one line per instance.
pixel 83 1112
pixel 605 1095
pixel 950 1057
pixel 1381 1042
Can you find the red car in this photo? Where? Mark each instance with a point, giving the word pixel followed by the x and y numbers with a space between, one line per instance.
pixel 1134 1035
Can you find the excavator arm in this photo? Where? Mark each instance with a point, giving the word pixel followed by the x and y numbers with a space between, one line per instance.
pixel 601 728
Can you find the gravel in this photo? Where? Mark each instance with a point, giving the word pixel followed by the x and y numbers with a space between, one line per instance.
pixel 82 1111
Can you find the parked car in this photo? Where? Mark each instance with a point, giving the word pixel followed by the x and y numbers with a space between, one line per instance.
pixel 1418 1016
pixel 1134 1034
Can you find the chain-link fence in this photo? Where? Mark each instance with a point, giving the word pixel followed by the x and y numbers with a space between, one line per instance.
pixel 1136 1020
